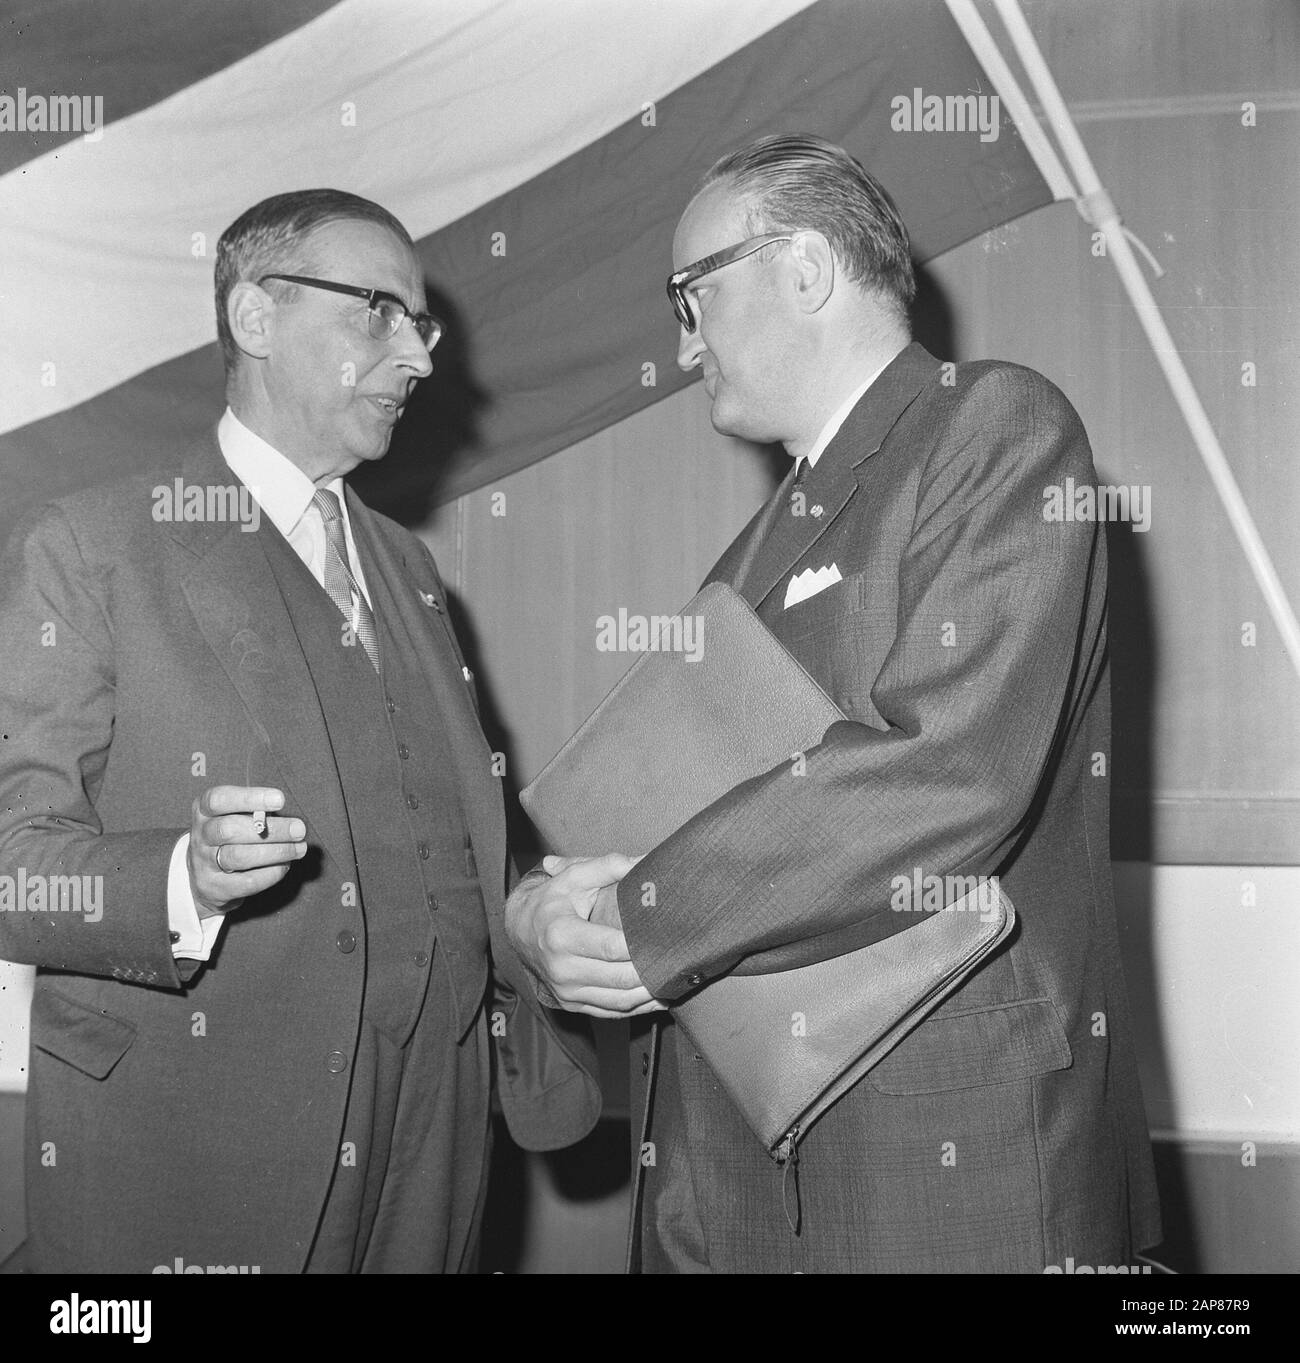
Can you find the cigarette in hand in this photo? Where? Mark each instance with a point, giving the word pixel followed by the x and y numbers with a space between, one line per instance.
pixel 259 822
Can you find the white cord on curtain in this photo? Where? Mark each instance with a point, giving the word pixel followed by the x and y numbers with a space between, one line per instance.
pixel 1097 208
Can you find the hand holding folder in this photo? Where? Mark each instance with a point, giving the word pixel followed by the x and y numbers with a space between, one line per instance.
pixel 564 925
pixel 676 733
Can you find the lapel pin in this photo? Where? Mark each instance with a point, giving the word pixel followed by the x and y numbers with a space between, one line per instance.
pixel 430 600
pixel 467 674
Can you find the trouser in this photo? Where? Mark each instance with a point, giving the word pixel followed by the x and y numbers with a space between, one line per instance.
pixel 671 1232
pixel 408 1186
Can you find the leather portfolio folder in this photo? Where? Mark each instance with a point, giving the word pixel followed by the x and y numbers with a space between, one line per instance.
pixel 715 701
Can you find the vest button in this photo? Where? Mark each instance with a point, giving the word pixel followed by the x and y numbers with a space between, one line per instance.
pixel 433 901
pixel 389 705
pixel 403 751
pixel 645 1062
pixel 421 959
pixel 423 850
pixel 336 1062
pixel 412 802
pixel 346 942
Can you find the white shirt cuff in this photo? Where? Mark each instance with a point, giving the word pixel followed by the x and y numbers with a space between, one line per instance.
pixel 195 937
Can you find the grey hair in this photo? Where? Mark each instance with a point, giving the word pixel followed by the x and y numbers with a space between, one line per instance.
pixel 273 236
pixel 794 181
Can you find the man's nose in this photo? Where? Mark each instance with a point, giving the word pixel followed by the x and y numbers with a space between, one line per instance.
pixel 690 347
pixel 412 353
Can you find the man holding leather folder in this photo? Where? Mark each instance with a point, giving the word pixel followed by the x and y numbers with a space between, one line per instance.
pixel 907 564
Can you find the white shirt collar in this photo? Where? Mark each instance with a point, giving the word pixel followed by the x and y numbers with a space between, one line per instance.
pixel 841 413
pixel 282 489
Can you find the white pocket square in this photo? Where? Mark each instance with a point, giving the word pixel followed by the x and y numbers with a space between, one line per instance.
pixel 809 583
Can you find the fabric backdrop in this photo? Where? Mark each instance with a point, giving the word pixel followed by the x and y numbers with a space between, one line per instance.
pixel 539 152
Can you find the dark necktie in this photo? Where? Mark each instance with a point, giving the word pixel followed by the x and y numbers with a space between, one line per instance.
pixel 339 582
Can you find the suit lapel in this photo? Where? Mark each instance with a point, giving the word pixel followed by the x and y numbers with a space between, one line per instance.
pixel 800 520
pixel 736 565
pixel 788 527
pixel 239 609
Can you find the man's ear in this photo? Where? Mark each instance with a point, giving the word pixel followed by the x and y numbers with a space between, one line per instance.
pixel 250 310
pixel 814 263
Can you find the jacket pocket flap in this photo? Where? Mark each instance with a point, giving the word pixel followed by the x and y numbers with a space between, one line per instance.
pixel 83 1037
pixel 983 1046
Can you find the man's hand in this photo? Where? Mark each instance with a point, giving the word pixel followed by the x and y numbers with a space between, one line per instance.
pixel 584 963
pixel 223 824
pixel 605 911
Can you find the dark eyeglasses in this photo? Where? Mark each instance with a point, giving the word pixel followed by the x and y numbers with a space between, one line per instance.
pixel 681 281
pixel 387 311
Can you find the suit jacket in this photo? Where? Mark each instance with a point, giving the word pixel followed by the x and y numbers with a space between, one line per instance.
pixel 145 662
pixel 966 642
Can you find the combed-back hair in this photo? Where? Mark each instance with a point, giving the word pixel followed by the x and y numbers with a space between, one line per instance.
pixel 273 237
pixel 795 180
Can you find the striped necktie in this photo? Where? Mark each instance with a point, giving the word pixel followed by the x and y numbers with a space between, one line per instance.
pixel 339 582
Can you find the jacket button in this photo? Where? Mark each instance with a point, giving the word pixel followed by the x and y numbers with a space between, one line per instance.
pixel 389 705
pixel 421 959
pixel 693 980
pixel 346 942
pixel 412 802
pixel 403 751
pixel 433 902
pixel 645 1062
pixel 423 850
pixel 336 1062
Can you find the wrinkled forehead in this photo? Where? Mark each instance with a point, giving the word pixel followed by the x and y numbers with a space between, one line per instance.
pixel 369 255
pixel 714 219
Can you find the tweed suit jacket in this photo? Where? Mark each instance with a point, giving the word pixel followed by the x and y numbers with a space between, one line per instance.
pixel 966 642
pixel 145 662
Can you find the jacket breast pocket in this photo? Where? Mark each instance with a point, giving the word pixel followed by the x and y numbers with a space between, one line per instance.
pixel 823 608
pixel 80 1036
pixel 971 1049
pixel 842 636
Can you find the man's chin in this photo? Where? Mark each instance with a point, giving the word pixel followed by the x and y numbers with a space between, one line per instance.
pixel 354 458
pixel 373 451
pixel 724 421
pixel 734 423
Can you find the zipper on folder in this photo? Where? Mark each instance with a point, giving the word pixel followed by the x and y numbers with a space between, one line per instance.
pixel 785 1150
pixel 787 1155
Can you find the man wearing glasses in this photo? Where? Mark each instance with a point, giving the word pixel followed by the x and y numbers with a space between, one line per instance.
pixel 258 744
pixel 906 562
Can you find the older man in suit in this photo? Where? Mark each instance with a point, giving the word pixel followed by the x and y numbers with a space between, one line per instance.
pixel 907 563
pixel 237 724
